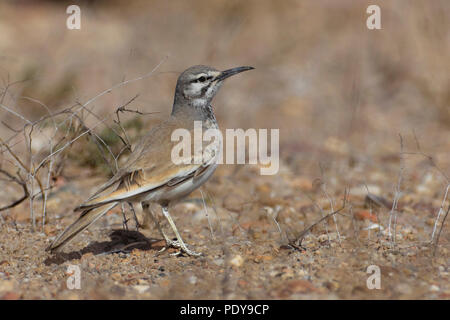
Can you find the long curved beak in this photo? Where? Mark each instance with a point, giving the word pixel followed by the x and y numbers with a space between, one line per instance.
pixel 231 72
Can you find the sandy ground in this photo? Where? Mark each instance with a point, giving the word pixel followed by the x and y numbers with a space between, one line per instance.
pixel 245 256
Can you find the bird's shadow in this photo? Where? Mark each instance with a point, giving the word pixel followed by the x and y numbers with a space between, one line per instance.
pixel 121 241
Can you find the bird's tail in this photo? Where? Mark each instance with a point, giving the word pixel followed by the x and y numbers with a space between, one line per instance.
pixel 86 218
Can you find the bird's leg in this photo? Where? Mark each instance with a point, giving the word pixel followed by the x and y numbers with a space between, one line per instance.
pixel 124 218
pixel 179 243
pixel 146 208
pixel 134 215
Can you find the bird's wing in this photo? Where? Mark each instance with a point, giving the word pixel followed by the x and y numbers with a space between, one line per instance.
pixel 151 166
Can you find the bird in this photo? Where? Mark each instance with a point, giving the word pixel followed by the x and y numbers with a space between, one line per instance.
pixel 150 175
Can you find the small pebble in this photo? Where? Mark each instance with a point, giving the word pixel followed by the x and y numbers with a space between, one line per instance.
pixel 237 261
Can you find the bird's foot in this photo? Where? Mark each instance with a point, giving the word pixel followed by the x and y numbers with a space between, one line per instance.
pixel 179 245
pixel 189 252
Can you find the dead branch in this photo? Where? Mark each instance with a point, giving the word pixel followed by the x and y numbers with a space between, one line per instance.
pixel 440 230
pixel 441 208
pixel 70 129
pixel 22 184
pixel 297 243
pixel 398 194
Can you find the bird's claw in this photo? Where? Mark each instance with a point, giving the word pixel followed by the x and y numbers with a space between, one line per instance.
pixel 179 245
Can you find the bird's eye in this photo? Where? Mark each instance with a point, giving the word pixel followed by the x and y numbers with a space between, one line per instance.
pixel 202 79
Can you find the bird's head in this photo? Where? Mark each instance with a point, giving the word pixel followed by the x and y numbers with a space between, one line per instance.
pixel 198 85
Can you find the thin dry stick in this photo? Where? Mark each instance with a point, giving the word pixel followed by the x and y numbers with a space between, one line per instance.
pixel 441 210
pixel 440 230
pixel 213 204
pixel 136 221
pixel 87 131
pixel 207 215
pixel 22 184
pixel 51 116
pixel 122 108
pixel 124 216
pixel 298 242
pixel 274 216
pixel 126 140
pixel 42 163
pixel 398 194
pixel 49 173
pixel 322 182
pixel 428 157
pixel 9 85
pixel 120 84
pixel 324 190
pixel 31 176
pixel 16 114
pixel 97 140
pixel 321 212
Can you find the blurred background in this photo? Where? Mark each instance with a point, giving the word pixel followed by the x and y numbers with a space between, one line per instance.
pixel 323 78
pixel 342 95
pixel 319 71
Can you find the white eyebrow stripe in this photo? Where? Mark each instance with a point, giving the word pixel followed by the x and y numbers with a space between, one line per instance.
pixel 196 76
